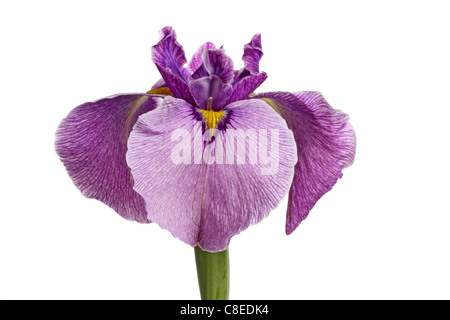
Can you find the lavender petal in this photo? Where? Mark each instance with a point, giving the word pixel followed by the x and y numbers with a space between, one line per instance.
pixel 202 203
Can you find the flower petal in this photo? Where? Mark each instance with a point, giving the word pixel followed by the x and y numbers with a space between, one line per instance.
pixel 207 203
pixel 246 86
pixel 92 141
pixel 212 79
pixel 159 84
pixel 197 60
pixel 253 54
pixel 168 55
pixel 178 87
pixel 326 144
pixel 215 63
pixel 248 79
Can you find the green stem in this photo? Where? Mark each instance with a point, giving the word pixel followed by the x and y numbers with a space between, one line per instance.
pixel 213 271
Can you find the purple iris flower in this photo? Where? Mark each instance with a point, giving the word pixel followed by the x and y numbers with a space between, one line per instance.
pixel 171 156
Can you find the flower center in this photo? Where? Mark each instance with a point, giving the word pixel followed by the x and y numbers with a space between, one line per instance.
pixel 212 118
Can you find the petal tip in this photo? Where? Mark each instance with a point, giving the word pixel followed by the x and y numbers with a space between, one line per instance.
pixel 166 32
pixel 256 41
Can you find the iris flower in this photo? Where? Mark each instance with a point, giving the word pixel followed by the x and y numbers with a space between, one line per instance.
pixel 200 154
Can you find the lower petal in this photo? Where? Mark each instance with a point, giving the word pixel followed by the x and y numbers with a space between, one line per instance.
pixel 92 142
pixel 197 188
pixel 326 144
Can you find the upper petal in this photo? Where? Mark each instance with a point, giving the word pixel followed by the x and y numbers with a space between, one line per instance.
pixel 326 144
pixel 196 60
pixel 248 79
pixel 203 195
pixel 212 79
pixel 253 54
pixel 168 56
pixel 215 63
pixel 92 142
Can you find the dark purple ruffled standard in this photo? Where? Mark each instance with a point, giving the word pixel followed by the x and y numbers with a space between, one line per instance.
pixel 200 154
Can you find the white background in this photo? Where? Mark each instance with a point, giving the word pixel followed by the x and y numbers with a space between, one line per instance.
pixel 383 232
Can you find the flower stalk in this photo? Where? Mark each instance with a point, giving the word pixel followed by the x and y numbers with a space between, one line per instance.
pixel 213 271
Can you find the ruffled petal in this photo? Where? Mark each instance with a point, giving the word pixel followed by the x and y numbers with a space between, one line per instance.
pixel 92 142
pixel 326 144
pixel 248 79
pixel 207 201
pixel 168 56
pixel 253 54
pixel 197 60
pixel 212 79
pixel 215 63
